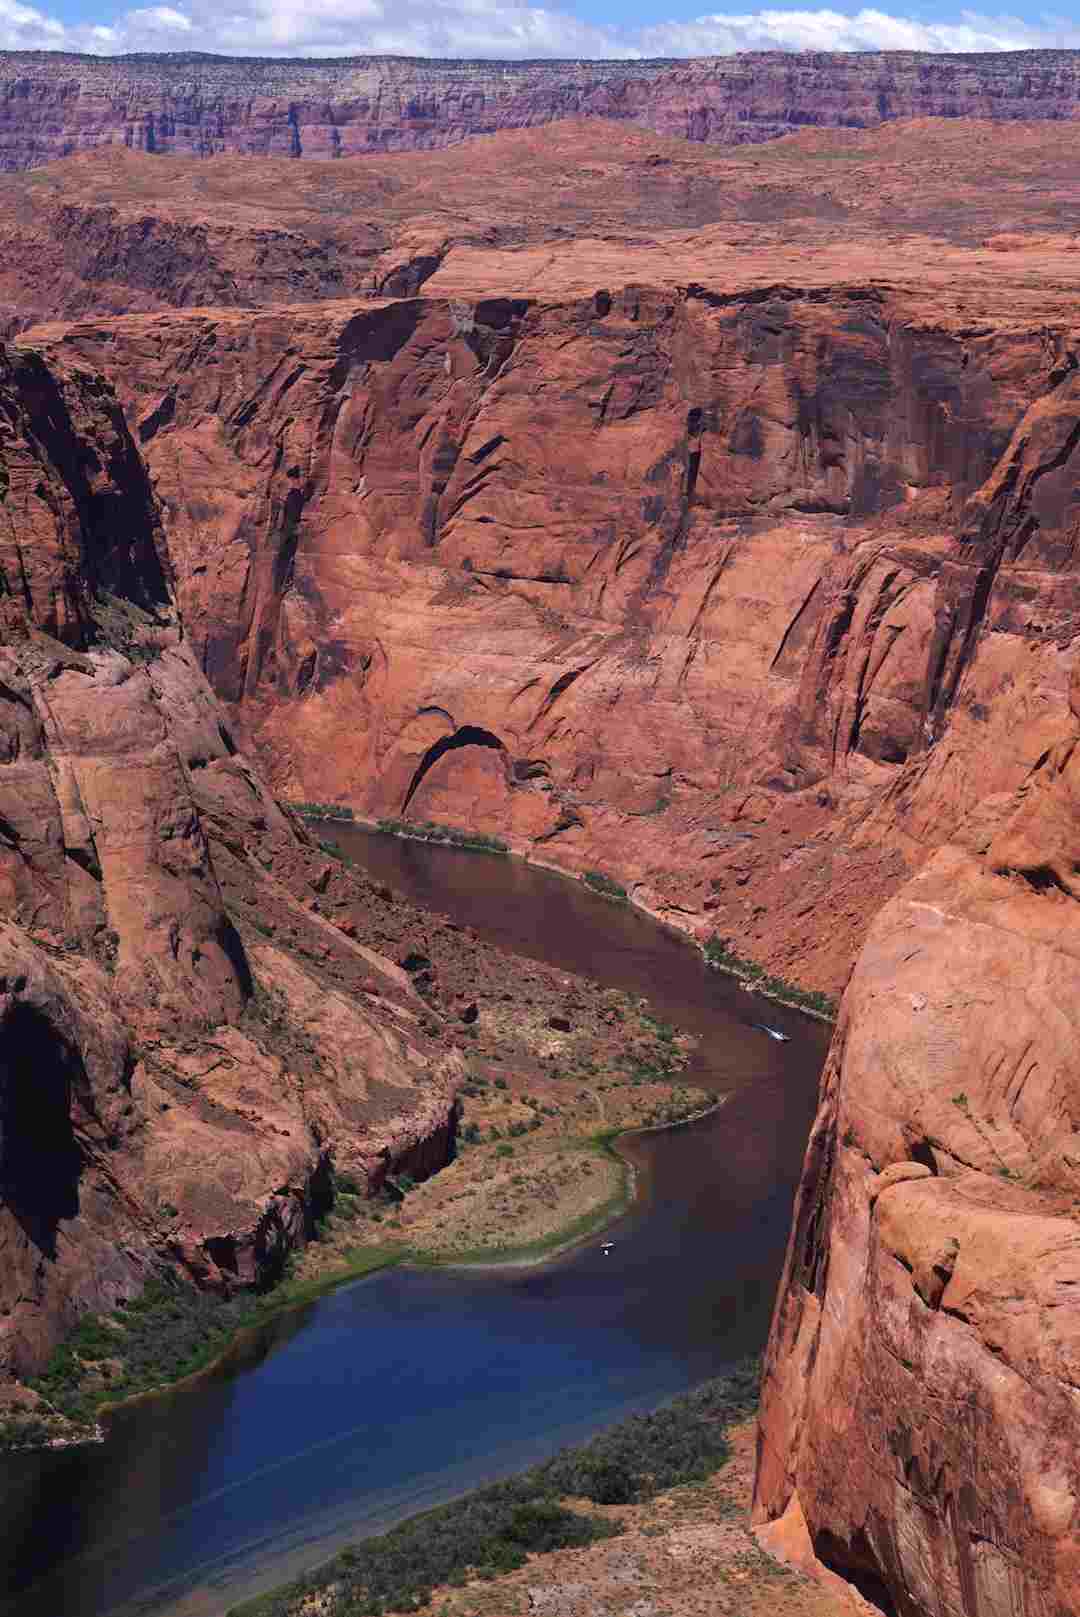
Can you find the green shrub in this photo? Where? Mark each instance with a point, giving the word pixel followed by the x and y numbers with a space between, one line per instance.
pixel 323 811
pixel 492 1530
pixel 429 831
pixel 601 883
pixel 169 1332
pixel 400 1184
pixel 722 958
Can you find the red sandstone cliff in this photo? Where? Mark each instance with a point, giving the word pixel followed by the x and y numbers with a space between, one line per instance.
pixel 919 1428
pixel 629 552
pixel 185 1043
pixel 739 558
pixel 53 104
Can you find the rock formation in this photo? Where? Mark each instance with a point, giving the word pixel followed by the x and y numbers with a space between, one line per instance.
pixel 630 552
pixel 99 234
pixel 736 556
pixel 52 104
pixel 919 1430
pixel 187 1044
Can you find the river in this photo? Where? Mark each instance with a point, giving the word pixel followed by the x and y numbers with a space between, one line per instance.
pixel 413 1385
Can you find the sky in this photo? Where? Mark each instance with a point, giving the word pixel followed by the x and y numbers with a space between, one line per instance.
pixel 519 28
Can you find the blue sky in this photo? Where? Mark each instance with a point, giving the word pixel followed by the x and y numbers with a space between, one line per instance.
pixel 521 28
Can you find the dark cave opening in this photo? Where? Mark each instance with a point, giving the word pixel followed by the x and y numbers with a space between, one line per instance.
pixel 857 1563
pixel 469 735
pixel 40 1158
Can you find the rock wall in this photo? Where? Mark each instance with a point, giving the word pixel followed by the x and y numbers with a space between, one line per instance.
pixel 53 104
pixel 738 560
pixel 185 1043
pixel 920 1430
pixel 661 581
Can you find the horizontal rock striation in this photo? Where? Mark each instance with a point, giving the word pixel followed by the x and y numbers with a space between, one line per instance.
pixel 52 104
pixel 98 234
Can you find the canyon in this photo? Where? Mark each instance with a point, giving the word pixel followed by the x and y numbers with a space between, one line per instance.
pixel 170 993
pixel 54 104
pixel 731 551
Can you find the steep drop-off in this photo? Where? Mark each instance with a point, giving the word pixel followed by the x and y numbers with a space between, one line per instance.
pixel 52 104
pixel 658 574
pixel 920 1426
pixel 187 1044
pixel 737 558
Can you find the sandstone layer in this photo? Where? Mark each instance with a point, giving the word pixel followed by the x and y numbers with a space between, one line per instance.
pixel 99 234
pixel 188 1046
pixel 737 557
pixel 646 555
pixel 53 104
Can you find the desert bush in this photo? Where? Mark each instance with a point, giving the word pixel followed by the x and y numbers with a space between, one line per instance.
pixel 720 955
pixel 601 883
pixel 451 835
pixel 494 1529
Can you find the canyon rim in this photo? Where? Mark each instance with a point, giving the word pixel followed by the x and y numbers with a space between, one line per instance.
pixel 705 515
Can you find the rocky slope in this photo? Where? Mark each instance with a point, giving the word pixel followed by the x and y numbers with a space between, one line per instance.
pixel 919 1433
pixel 638 554
pixel 52 104
pixel 187 1044
pixel 99 234
pixel 737 557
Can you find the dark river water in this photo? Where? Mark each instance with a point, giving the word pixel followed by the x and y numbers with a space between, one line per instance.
pixel 411 1386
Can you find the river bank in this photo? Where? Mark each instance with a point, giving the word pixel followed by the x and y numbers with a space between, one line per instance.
pixel 554 1072
pixel 566 1502
pixel 169 1337
pixel 615 1525
pixel 81 1389
pixel 328 1421
pixel 719 954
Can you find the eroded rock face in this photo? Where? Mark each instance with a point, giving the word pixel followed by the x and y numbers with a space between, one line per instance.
pixel 920 1431
pixel 173 1086
pixel 669 579
pixel 732 560
pixel 52 104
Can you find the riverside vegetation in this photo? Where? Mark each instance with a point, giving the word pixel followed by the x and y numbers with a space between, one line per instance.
pixel 496 1529
pixel 449 835
pixel 554 1072
pixel 168 1333
pixel 722 957
pixel 323 811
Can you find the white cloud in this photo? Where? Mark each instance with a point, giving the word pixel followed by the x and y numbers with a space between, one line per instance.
pixel 867 30
pixel 502 28
pixel 25 28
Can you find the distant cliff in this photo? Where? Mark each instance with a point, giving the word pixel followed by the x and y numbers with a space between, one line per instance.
pixel 53 104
